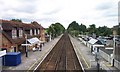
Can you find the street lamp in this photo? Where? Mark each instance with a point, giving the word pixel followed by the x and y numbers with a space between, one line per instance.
pixel 114 33
pixel 26 50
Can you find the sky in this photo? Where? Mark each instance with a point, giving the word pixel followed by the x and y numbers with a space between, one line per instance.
pixel 47 12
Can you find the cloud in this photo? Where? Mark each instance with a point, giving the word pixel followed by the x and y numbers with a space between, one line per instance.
pixel 20 6
pixel 111 14
pixel 104 6
pixel 26 9
pixel 46 12
pixel 52 12
pixel 48 19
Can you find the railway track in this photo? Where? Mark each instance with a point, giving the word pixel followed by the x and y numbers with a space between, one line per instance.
pixel 61 58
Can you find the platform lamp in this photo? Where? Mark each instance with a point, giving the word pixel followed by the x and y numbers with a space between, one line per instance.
pixel 26 49
pixel 114 34
pixel 97 60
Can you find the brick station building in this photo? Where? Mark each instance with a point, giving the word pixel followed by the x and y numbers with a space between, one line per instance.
pixel 13 34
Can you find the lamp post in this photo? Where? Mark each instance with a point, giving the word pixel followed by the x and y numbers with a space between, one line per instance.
pixel 97 60
pixel 114 33
pixel 26 50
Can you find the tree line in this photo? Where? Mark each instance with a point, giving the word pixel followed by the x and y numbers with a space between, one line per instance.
pixel 75 29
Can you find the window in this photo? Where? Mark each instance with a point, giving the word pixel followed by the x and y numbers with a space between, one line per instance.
pixel 14 33
pixel 20 32
pixel 31 32
pixel 38 31
pixel 34 31
pixel 1 27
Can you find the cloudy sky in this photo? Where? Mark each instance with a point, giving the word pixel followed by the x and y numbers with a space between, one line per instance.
pixel 46 12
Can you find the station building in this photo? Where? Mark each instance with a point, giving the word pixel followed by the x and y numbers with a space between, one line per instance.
pixel 13 34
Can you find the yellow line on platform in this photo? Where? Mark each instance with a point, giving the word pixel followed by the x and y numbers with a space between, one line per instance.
pixel 84 59
pixel 108 65
pixel 34 63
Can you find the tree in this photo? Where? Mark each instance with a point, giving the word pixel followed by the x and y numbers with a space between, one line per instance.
pixel 51 30
pixel 92 29
pixel 104 31
pixel 118 31
pixel 16 20
pixel 74 25
pixel 82 29
pixel 73 28
pixel 56 29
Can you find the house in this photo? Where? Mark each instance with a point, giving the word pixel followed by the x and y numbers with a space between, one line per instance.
pixel 14 34
pixel 94 44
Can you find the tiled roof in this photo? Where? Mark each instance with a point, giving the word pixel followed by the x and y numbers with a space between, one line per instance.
pixel 19 40
pixel 8 25
pixel 9 38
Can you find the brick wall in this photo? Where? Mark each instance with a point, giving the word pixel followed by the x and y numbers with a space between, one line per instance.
pixel 6 43
pixel 42 34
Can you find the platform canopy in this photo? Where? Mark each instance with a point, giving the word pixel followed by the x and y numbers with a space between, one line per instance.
pixel 34 40
pixel 92 41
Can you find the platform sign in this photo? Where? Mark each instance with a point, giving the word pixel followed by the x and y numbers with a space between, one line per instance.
pixel 2 53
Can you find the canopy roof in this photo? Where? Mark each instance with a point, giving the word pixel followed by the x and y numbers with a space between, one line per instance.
pixel 92 41
pixel 34 40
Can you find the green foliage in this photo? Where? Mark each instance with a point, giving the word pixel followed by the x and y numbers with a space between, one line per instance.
pixel 82 29
pixel 92 29
pixel 73 28
pixel 118 31
pixel 73 25
pixel 17 20
pixel 104 31
pixel 46 30
pixel 56 29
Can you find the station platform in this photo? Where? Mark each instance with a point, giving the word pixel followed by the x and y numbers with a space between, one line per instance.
pixel 88 59
pixel 34 58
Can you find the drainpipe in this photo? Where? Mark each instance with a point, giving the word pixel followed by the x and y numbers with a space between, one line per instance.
pixel 26 50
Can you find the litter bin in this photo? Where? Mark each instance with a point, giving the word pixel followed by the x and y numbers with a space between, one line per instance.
pixel 12 59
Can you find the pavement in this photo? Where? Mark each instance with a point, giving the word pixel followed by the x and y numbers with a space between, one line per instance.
pixel 34 58
pixel 87 59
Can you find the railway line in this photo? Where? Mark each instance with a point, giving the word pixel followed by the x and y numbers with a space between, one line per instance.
pixel 61 58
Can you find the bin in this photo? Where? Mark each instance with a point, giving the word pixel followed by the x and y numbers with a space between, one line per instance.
pixel 12 59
